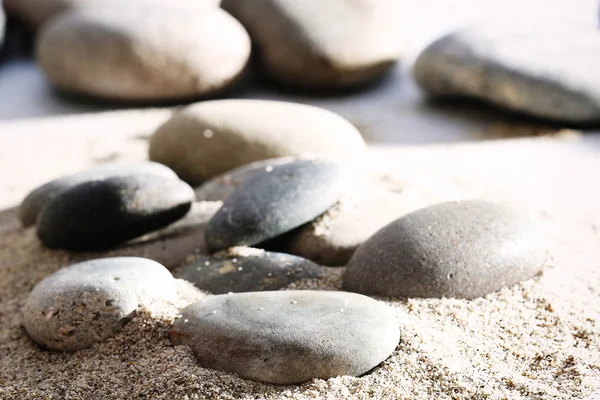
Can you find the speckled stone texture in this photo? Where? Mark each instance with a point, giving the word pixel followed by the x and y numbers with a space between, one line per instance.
pixel 287 337
pixel 275 203
pixel 100 214
pixel 544 72
pixel 461 249
pixel 243 269
pixel 88 302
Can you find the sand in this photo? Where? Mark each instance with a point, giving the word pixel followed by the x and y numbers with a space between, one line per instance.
pixel 536 340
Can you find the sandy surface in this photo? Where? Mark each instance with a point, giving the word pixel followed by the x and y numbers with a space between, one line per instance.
pixel 537 340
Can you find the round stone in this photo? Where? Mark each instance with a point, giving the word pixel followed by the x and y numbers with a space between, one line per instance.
pixel 271 204
pixel 100 214
pixel 243 269
pixel 90 301
pixel 545 73
pixel 143 50
pixel 332 43
pixel 288 337
pixel 457 250
pixel 213 137
pixel 221 187
pixel 35 201
pixel 333 237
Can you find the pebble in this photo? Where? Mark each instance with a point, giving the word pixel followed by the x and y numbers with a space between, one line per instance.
pixel 209 138
pixel 243 269
pixel 287 337
pixel 35 201
pixel 334 43
pixel 143 51
pixel 333 237
pixel 275 203
pixel 221 187
pixel 90 301
pixel 461 249
pixel 96 215
pixel 544 73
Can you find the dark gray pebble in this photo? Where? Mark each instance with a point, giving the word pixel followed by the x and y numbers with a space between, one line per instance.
pixel 275 203
pixel 100 214
pixel 34 202
pixel 243 269
pixel 221 187
pixel 287 337
pixel 457 249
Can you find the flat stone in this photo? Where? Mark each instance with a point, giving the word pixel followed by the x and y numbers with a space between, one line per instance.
pixel 213 137
pixel 143 50
pixel 462 249
pixel 243 269
pixel 101 214
pixel 221 187
pixel 332 43
pixel 88 302
pixel 544 73
pixel 333 237
pixel 36 200
pixel 272 204
pixel 287 337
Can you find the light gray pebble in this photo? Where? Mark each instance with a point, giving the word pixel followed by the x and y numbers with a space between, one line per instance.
pixel 90 301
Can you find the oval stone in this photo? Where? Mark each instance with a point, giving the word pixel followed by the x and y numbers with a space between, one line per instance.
pixel 35 201
pixel 545 73
pixel 221 187
pixel 213 137
pixel 333 237
pixel 143 50
pixel 100 214
pixel 457 250
pixel 90 301
pixel 243 269
pixel 333 43
pixel 275 203
pixel 287 337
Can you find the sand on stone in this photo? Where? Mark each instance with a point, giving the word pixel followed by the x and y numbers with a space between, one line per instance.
pixel 537 340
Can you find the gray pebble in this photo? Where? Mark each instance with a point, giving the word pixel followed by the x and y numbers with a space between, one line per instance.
pixel 100 214
pixel 457 250
pixel 34 202
pixel 324 44
pixel 275 203
pixel 287 337
pixel 212 137
pixel 221 187
pixel 243 269
pixel 546 73
pixel 90 301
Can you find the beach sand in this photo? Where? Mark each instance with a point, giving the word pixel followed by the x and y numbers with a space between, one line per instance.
pixel 536 340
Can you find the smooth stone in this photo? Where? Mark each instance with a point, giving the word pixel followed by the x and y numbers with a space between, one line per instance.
pixel 88 302
pixel 461 249
pixel 221 187
pixel 143 50
pixel 35 201
pixel 100 214
pixel 334 43
pixel 333 237
pixel 542 73
pixel 272 204
pixel 213 137
pixel 287 337
pixel 243 269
